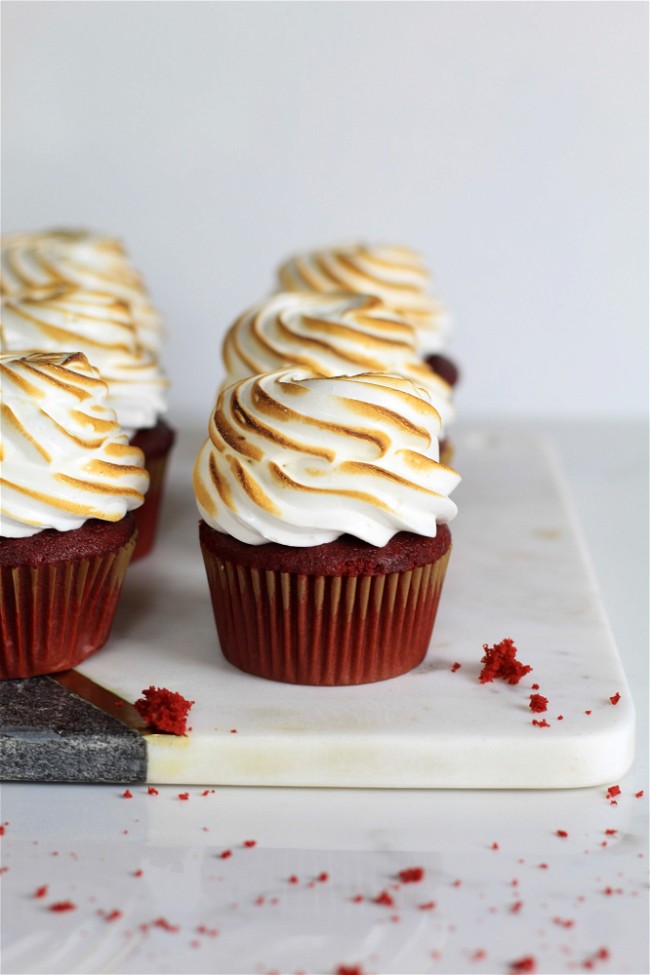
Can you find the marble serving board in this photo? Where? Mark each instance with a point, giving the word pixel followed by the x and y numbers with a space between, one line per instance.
pixel 518 569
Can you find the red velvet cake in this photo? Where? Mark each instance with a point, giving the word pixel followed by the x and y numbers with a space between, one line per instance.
pixel 70 482
pixel 345 612
pixel 59 593
pixel 324 525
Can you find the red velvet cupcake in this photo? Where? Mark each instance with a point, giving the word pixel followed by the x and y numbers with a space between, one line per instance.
pixel 70 480
pixel 396 274
pixel 102 326
pixel 324 511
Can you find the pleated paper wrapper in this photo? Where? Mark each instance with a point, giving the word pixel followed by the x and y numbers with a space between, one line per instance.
pixel 324 630
pixel 55 615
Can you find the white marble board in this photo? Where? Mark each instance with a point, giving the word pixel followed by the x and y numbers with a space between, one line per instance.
pixel 518 569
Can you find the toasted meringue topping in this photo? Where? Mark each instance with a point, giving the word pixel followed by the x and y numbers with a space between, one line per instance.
pixel 348 454
pixel 332 334
pixel 64 458
pixel 81 259
pixel 395 274
pixel 102 327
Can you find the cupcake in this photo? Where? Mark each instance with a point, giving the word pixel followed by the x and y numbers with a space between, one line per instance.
pixel 397 275
pixel 102 327
pixel 332 334
pixel 70 482
pixel 323 528
pixel 80 259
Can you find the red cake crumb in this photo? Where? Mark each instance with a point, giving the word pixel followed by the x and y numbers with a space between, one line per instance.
pixel 162 922
pixel 127 794
pixel 411 875
pixel 184 796
pixel 429 906
pixel 500 662
pixel 293 879
pixel 478 955
pixel 454 667
pixel 516 907
pixel 538 703
pixel 152 792
pixel 357 899
pixel 226 854
pixel 41 891
pixel 250 843
pixel 113 915
pixel 323 877
pixel 526 964
pixel 541 724
pixel 61 906
pixel 384 898
pixel 164 711
pixel 349 970
pixel 614 790
pixel 564 922
pixel 615 698
pixel 639 794
pixel 601 955
pixel 138 873
pixel 561 832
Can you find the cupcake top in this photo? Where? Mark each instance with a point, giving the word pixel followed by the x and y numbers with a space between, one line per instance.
pixel 397 275
pixel 64 457
pixel 301 459
pixel 102 327
pixel 82 259
pixel 332 334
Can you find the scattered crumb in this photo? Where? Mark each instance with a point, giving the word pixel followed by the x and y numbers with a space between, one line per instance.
pixel 411 875
pixel 538 703
pixel 499 661
pixel 523 965
pixel 163 710
pixel 384 898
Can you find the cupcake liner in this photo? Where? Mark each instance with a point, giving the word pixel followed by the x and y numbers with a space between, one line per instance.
pixel 56 614
pixel 156 444
pixel 148 514
pixel 325 630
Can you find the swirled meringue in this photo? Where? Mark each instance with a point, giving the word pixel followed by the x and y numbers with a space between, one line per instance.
pixel 81 259
pixel 393 273
pixel 332 334
pixel 101 326
pixel 300 459
pixel 63 456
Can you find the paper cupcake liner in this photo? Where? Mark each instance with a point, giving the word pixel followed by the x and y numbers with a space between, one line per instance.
pixel 156 444
pixel 56 614
pixel 326 630
pixel 148 514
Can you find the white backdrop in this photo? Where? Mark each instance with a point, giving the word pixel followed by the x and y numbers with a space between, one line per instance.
pixel 506 141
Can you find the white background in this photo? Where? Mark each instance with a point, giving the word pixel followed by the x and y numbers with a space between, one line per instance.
pixel 506 141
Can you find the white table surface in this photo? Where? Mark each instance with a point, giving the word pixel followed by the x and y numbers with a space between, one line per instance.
pixel 153 891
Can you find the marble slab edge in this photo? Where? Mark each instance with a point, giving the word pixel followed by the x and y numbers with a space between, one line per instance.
pixel 65 728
